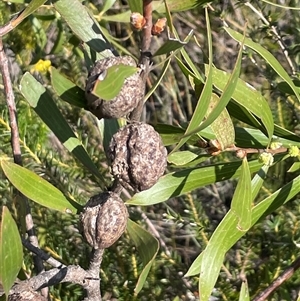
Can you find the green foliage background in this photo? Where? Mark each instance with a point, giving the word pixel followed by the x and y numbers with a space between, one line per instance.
pixel 185 223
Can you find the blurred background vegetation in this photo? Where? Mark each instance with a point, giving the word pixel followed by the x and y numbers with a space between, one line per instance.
pixel 183 223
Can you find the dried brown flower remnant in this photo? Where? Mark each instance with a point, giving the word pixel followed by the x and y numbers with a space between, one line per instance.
pixel 129 96
pixel 137 21
pixel 138 156
pixel 104 220
pixel 159 26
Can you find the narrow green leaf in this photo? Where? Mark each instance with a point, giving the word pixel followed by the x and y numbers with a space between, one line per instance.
pixel 269 58
pixel 231 219
pixel 205 96
pixel 182 158
pixel 246 96
pixel 227 234
pixel 180 182
pixel 31 8
pixel 60 38
pixel 222 126
pixel 178 5
pixel 282 6
pixel 244 293
pixel 11 251
pixel 107 5
pixel 107 128
pixel 67 90
pixel 215 250
pixel 169 46
pixel 123 17
pixel 242 199
pixel 159 79
pixel 76 14
pixel 147 247
pixel 224 99
pixel 40 34
pixel 294 167
pixel 111 82
pixel 136 6
pixel 37 189
pixel 44 106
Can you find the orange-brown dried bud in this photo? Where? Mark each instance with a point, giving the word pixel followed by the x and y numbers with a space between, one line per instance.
pixel 137 21
pixel 159 26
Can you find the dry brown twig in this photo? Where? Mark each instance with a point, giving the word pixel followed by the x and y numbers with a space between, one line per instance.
pixel 10 100
pixel 144 61
pixel 288 273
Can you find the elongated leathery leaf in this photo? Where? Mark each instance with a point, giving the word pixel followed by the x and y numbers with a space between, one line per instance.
pixel 204 96
pixel 231 219
pixel 225 97
pixel 76 14
pixel 44 106
pixel 242 199
pixel 66 89
pixel 36 188
pixel 11 251
pixel 110 86
pixel 270 59
pixel 178 183
pixel 147 247
pixel 222 127
pixel 247 96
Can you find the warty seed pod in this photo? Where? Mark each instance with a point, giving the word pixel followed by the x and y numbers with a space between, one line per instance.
pixel 104 220
pixel 131 93
pixel 138 156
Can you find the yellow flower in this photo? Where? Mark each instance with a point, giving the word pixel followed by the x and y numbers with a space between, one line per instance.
pixel 41 66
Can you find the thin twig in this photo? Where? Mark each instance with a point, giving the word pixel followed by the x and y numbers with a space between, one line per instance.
pixel 61 273
pixel 274 30
pixel 288 273
pixel 42 254
pixel 16 149
pixel 147 12
pixel 144 61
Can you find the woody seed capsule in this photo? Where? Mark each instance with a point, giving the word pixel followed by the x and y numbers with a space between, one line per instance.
pixel 138 156
pixel 131 93
pixel 104 220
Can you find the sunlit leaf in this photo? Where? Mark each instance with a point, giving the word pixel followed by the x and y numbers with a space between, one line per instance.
pixel 247 96
pixel 41 101
pixel 180 182
pixel 76 14
pixel 227 234
pixel 222 127
pixel 270 59
pixel 204 95
pixel 178 5
pixel 11 251
pixel 67 90
pixel 244 293
pixel 107 4
pixel 242 199
pixel 37 189
pixel 147 247
pixel 111 83
pixel 224 100
pixel 136 6
pixel 181 158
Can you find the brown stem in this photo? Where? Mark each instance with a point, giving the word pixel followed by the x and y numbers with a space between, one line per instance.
pixel 144 61
pixel 288 273
pixel 147 12
pixel 16 149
